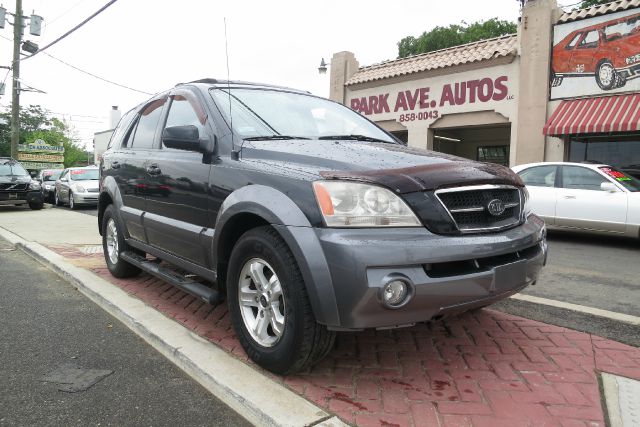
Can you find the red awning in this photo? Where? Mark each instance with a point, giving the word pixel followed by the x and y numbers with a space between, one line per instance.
pixel 620 113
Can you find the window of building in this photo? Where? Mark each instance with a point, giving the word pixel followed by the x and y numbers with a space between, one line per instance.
pixel 494 154
pixel 620 151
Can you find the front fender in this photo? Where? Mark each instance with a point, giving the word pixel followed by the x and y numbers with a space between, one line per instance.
pixel 108 192
pixel 284 215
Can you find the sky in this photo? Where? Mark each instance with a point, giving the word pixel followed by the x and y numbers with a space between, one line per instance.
pixel 151 45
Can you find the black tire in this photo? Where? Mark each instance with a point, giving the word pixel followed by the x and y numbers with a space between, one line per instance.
pixel 612 80
pixel 36 206
pixel 120 268
pixel 303 341
pixel 56 199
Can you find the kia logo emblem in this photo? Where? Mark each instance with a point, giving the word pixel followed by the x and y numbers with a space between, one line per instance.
pixel 495 207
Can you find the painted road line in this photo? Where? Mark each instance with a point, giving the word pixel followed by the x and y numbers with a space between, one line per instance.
pixel 232 381
pixel 619 317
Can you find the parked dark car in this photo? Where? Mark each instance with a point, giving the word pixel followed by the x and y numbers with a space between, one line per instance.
pixel 47 179
pixel 16 185
pixel 308 217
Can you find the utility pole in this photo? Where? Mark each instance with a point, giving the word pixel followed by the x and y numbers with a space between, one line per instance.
pixel 15 98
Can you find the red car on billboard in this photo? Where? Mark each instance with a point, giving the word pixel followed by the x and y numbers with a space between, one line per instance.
pixel 608 51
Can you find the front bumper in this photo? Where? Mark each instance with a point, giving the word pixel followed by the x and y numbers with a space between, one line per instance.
pixel 86 198
pixel 20 198
pixel 448 274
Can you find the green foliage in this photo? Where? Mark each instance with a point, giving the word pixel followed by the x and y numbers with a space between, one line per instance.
pixel 454 35
pixel 589 3
pixel 37 123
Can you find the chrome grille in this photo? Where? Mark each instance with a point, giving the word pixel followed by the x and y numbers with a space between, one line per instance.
pixel 92 190
pixel 8 186
pixel 483 207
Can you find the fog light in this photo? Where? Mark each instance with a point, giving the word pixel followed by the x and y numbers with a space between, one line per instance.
pixel 395 291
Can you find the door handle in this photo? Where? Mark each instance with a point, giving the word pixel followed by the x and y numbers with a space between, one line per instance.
pixel 115 165
pixel 569 197
pixel 153 169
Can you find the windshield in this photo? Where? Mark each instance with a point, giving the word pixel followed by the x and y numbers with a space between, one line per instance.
pixel 11 168
pixel 270 113
pixel 628 182
pixel 84 174
pixel 51 175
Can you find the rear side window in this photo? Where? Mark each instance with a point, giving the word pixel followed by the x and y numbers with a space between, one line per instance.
pixel 539 176
pixel 144 136
pixel 121 129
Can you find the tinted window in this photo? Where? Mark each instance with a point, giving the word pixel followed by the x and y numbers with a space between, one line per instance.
pixel 186 111
pixel 147 124
pixel 589 40
pixel 579 178
pixel 121 129
pixel 539 176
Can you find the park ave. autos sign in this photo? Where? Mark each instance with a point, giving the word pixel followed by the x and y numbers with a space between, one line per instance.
pixel 428 99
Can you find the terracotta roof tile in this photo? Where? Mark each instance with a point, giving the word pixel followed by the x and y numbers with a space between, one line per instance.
pixel 472 52
pixel 614 6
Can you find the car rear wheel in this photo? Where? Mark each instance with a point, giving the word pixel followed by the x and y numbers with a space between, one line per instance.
pixel 113 244
pixel 269 306
pixel 606 75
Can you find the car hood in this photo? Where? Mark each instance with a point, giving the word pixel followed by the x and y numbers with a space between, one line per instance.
pixel 15 179
pixel 395 166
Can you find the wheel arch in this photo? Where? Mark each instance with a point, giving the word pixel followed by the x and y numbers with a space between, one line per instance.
pixel 108 194
pixel 258 205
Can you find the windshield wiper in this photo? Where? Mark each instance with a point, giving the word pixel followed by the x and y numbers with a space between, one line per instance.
pixel 354 137
pixel 273 137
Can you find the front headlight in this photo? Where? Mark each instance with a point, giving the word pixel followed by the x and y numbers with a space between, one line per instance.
pixel 78 188
pixel 34 185
pixel 350 204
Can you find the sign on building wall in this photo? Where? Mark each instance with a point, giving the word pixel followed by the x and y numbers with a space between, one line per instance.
pixel 426 100
pixel 596 56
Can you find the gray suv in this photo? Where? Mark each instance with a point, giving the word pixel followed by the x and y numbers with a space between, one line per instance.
pixel 309 218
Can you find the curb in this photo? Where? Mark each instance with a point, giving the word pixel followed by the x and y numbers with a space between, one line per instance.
pixel 235 383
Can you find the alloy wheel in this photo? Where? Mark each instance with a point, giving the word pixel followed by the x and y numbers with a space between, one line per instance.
pixel 261 301
pixel 112 241
pixel 606 74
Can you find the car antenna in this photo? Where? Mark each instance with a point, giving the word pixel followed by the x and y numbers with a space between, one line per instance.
pixel 235 154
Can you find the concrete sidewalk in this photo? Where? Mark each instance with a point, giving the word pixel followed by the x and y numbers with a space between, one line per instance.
pixel 483 368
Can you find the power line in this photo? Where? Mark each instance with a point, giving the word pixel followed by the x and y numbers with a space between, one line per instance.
pixel 46 24
pixel 98 12
pixel 96 76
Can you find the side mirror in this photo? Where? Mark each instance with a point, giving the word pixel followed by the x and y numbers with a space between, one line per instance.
pixel 185 138
pixel 609 187
pixel 33 174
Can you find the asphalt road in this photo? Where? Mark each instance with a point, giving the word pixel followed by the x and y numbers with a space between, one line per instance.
pixel 50 328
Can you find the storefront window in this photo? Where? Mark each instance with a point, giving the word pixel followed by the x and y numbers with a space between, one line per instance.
pixel 623 152
pixel 495 154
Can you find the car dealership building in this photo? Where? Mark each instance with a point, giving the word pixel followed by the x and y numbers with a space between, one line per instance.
pixel 564 87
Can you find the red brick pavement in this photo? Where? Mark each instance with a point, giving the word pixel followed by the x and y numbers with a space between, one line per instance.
pixel 485 368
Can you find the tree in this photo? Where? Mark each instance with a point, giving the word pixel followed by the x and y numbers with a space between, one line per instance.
pixel 454 35
pixel 589 3
pixel 37 123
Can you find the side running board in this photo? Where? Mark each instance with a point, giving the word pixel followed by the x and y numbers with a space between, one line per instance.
pixel 205 293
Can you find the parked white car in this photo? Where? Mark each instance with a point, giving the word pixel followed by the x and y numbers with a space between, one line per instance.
pixel 77 186
pixel 588 197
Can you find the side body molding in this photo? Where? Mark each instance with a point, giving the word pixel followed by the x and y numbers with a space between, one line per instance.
pixel 284 215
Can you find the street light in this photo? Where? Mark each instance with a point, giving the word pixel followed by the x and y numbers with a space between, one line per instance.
pixel 322 69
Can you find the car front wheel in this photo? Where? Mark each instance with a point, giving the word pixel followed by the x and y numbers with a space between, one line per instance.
pixel 113 244
pixel 606 76
pixel 56 199
pixel 72 203
pixel 269 306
